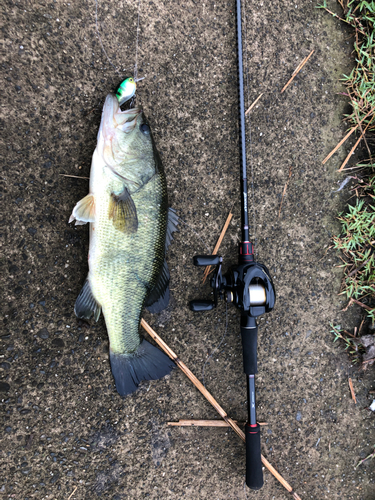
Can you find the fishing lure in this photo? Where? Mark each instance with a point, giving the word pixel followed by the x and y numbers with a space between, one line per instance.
pixel 126 90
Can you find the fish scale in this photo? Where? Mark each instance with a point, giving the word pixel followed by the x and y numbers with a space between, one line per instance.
pixel 118 263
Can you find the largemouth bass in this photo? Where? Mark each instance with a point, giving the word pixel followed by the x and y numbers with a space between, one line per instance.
pixel 130 229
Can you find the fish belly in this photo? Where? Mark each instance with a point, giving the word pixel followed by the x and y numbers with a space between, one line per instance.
pixel 124 268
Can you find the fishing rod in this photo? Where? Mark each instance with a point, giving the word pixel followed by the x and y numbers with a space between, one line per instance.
pixel 248 286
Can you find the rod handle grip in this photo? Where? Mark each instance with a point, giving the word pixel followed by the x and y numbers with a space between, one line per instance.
pixel 249 347
pixel 254 473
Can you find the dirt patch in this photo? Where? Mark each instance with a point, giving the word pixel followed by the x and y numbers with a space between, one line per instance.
pixel 65 428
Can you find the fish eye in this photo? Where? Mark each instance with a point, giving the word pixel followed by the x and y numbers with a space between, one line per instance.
pixel 145 129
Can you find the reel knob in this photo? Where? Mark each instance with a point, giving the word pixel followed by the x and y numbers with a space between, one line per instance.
pixel 207 260
pixel 201 305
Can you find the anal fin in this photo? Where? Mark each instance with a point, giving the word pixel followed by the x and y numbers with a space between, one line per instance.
pixel 86 305
pixel 172 224
pixel 158 298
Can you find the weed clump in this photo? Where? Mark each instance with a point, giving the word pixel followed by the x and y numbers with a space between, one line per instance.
pixel 360 84
pixel 357 244
pixel 357 239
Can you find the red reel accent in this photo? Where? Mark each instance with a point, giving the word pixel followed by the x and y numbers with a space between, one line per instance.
pixel 246 251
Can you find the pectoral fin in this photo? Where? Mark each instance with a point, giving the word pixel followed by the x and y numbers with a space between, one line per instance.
pixel 123 213
pixel 84 211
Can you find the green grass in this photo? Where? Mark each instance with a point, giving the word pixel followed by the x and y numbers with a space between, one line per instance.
pixel 357 244
pixel 357 238
pixel 354 349
pixel 360 84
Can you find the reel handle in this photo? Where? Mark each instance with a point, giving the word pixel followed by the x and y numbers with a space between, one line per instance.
pixel 206 260
pixel 254 473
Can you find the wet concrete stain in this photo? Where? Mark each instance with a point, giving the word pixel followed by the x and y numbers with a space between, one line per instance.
pixel 65 429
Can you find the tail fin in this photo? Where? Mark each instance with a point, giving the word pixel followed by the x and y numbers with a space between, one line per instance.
pixel 147 363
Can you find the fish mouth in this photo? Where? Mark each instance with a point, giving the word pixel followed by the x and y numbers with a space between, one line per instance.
pixel 124 120
pixel 113 118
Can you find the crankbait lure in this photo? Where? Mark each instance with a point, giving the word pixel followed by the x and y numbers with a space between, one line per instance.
pixel 126 90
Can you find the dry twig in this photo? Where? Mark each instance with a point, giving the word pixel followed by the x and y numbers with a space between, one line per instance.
pixel 206 423
pixel 368 361
pixel 217 246
pixel 352 390
pixel 350 334
pixel 297 70
pixel 214 403
pixel 251 107
pixel 355 271
pixel 368 308
pixel 346 137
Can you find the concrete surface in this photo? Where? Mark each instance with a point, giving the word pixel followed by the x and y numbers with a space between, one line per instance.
pixel 66 433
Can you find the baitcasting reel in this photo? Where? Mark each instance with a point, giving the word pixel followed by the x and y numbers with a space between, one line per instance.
pixel 247 285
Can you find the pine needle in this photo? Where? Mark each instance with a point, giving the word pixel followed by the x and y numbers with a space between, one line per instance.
pixel 285 188
pixel 251 107
pixel 297 70
pixel 346 137
pixel 352 390
pixel 213 402
pixel 72 493
pixel 362 136
pixel 205 423
pixel 74 176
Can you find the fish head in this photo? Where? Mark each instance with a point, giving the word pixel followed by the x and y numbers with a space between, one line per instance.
pixel 125 144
